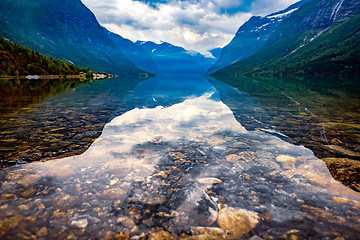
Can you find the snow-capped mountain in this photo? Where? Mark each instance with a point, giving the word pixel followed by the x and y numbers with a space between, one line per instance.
pixel 252 35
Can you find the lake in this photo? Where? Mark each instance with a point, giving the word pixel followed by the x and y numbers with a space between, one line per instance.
pixel 176 157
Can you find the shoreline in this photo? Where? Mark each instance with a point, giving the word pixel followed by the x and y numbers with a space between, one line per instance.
pixel 61 76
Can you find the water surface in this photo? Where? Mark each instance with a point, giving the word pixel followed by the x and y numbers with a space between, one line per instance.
pixel 322 114
pixel 178 164
pixel 46 119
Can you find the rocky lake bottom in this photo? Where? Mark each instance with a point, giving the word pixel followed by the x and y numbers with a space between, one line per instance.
pixel 159 167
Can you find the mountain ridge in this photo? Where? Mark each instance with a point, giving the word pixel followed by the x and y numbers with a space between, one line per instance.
pixel 320 38
pixel 171 59
pixel 252 36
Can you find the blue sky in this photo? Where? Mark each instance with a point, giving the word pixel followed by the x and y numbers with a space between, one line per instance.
pixel 198 25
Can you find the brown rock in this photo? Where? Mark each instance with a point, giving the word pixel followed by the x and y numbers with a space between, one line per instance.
pixel 126 222
pixel 64 202
pixel 267 216
pixel 16 175
pixel 209 180
pixel 161 174
pixel 122 236
pixel 8 224
pixel 340 200
pixel 317 212
pixel 233 158
pixel 79 223
pixel 237 222
pixel 28 193
pixel 247 156
pixel 161 235
pixel 29 180
pixel 211 233
pixel 176 156
pixel 154 200
pixel 42 232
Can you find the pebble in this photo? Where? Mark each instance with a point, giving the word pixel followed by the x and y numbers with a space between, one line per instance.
pixel 248 156
pixel 42 232
pixel 81 223
pixel 126 222
pixel 28 193
pixel 232 158
pixel 64 202
pixel 161 235
pixel 255 237
pixel 114 181
pixel 209 180
pixel 154 200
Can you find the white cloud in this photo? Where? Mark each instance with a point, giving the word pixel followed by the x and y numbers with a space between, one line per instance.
pixel 195 25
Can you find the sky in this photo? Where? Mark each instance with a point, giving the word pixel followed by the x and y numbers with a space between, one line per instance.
pixel 199 25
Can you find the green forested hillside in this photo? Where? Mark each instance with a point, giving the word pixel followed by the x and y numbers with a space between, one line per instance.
pixel 63 29
pixel 18 60
pixel 318 47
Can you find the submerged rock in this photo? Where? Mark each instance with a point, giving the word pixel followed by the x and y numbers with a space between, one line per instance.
pixel 207 233
pixel 115 193
pixel 154 200
pixel 42 232
pixel 161 235
pixel 29 180
pixel 233 158
pixel 209 180
pixel 237 222
pixel 64 202
pixel 8 224
pixel 317 212
pixel 80 223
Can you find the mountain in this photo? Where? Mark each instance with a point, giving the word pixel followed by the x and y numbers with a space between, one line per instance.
pixel 171 59
pixel 216 52
pixel 252 36
pixel 320 38
pixel 63 29
pixel 134 52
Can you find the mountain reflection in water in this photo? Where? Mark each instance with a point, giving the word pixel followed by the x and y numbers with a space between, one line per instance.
pixel 179 165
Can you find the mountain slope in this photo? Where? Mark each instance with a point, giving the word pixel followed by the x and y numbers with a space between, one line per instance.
pixel 63 29
pixel 252 36
pixel 17 60
pixel 172 59
pixel 321 38
pixel 135 53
